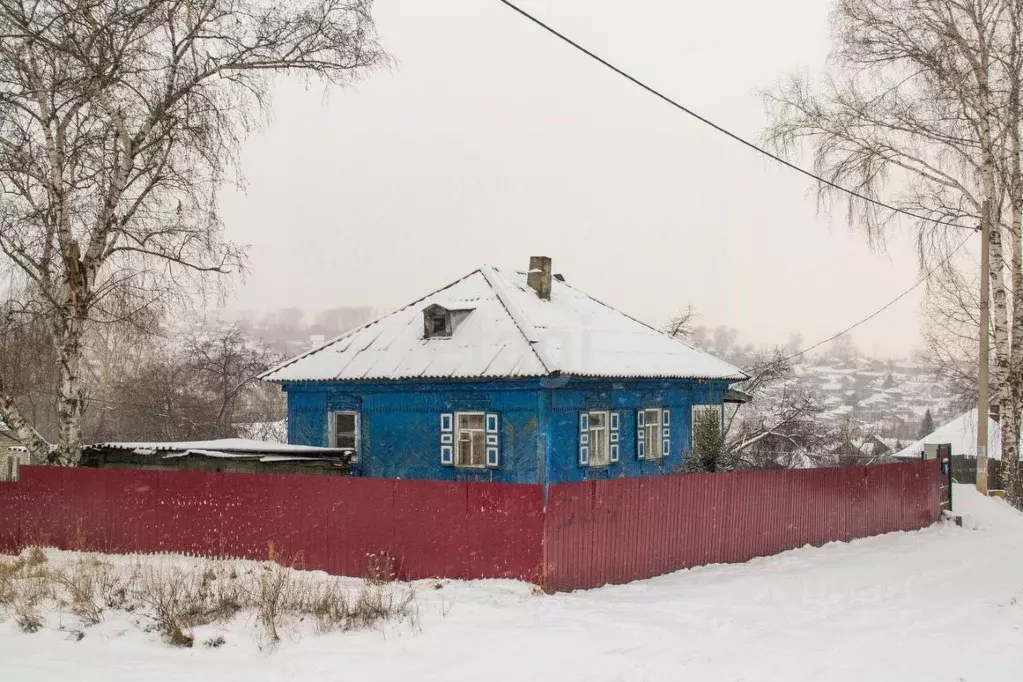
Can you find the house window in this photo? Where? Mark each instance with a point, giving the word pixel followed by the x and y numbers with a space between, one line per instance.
pixel 345 432
pixel 652 433
pixel 598 439
pixel 470 439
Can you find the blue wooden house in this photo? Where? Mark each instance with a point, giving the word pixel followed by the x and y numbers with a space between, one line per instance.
pixel 504 376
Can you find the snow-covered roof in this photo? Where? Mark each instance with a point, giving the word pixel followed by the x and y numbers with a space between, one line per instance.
pixel 892 443
pixel 510 332
pixel 223 445
pixel 961 433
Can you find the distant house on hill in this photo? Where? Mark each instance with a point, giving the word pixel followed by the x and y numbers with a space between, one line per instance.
pixel 506 376
pixel 888 446
pixel 868 450
pixel 7 438
pixel 961 434
pixel 12 454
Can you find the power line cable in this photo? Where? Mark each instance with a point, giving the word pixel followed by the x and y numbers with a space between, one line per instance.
pixel 927 275
pixel 775 157
pixel 722 129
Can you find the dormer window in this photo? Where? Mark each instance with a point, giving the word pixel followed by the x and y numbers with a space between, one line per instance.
pixel 436 322
pixel 441 321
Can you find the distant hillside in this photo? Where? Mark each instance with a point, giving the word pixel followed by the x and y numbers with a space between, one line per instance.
pixel 859 396
pixel 886 398
pixel 293 330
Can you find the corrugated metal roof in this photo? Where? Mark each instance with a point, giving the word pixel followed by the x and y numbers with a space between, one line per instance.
pixel 225 445
pixel 961 434
pixel 510 332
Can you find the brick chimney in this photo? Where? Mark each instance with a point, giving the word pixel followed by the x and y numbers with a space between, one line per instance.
pixel 539 277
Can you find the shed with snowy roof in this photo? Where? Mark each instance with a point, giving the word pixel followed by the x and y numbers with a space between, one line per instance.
pixel 504 376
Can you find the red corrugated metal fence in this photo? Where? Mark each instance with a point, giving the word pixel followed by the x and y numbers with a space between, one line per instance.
pixel 615 531
pixel 346 526
pixel 588 534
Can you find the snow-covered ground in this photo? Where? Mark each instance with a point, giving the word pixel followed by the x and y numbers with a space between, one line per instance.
pixel 944 603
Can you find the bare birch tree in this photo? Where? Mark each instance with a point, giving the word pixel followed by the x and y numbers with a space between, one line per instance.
pixel 951 336
pixel 119 121
pixel 920 108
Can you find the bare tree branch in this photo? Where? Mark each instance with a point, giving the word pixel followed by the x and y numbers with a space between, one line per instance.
pixel 921 104
pixel 119 121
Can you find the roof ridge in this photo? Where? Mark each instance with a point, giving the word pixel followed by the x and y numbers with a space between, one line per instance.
pixel 518 317
pixel 350 332
pixel 388 347
pixel 653 328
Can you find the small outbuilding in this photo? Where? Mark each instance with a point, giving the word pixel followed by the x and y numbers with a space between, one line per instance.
pixel 12 454
pixel 226 455
pixel 961 434
pixel 507 376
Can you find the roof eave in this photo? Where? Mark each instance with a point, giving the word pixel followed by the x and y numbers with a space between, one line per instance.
pixel 729 378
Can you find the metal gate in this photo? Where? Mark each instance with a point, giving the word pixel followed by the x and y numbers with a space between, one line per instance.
pixel 945 493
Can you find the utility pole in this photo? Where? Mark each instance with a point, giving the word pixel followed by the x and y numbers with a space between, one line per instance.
pixel 985 315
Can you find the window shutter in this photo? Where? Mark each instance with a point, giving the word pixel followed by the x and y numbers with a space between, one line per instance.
pixel 613 436
pixel 584 439
pixel 493 440
pixel 666 432
pixel 640 434
pixel 447 439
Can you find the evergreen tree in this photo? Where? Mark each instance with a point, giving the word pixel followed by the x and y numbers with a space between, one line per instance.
pixel 708 454
pixel 927 425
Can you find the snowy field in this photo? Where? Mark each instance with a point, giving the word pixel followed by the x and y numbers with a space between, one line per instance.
pixel 941 604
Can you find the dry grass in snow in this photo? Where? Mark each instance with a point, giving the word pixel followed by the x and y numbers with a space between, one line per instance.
pixel 173 596
pixel 903 606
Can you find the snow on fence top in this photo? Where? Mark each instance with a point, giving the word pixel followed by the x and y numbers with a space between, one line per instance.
pixel 508 331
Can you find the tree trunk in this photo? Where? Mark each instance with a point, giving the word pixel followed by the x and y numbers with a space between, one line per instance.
pixel 70 395
pixel 1007 384
pixel 996 268
pixel 1009 427
pixel 1010 411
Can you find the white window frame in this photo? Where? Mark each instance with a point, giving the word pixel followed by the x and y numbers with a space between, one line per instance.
pixel 594 433
pixel 703 408
pixel 654 448
pixel 458 433
pixel 358 431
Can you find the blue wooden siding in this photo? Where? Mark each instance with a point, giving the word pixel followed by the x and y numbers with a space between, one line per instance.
pixel 401 425
pixel 539 424
pixel 626 399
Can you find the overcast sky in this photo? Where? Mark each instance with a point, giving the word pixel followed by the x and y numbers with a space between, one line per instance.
pixel 491 141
